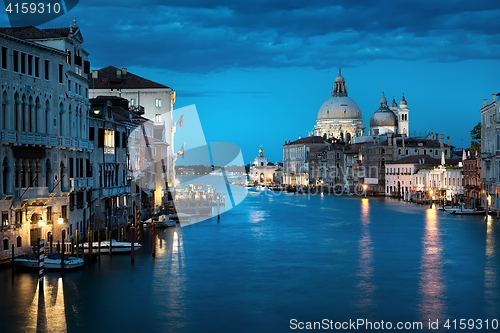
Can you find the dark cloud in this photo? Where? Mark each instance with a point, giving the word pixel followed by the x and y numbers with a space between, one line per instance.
pixel 207 36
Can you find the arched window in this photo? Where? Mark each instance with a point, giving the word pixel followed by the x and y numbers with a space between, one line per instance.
pixel 47 117
pixel 5 176
pixel 61 119
pixel 4 110
pixel 17 109
pixel 48 174
pixel 6 244
pixel 19 241
pixel 24 114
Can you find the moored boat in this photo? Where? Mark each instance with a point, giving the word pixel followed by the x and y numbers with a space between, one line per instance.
pixel 117 247
pixel 164 222
pixel 51 262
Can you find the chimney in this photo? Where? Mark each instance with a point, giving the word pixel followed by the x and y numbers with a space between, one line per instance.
pixel 437 136
pixel 124 71
pixel 389 139
pixel 432 135
pixel 403 137
pixel 95 74
pixel 441 139
pixel 485 102
pixel 493 98
pixel 448 140
pixel 119 73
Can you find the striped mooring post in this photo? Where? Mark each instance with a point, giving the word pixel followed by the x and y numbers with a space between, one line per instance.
pixel 41 257
pixel 138 224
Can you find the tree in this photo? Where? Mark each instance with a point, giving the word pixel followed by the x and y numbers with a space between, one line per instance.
pixel 475 135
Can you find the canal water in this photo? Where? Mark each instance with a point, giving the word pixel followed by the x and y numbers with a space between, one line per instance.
pixel 274 258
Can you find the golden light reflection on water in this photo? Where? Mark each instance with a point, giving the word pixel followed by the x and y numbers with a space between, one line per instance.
pixel 365 285
pixel 47 309
pixel 431 287
pixel 169 278
pixel 490 271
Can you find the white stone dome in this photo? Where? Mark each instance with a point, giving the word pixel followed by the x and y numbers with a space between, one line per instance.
pixel 339 107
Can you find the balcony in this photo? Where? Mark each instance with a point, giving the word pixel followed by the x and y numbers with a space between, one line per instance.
pixel 76 183
pixel 113 191
pixel 32 193
pixel 26 138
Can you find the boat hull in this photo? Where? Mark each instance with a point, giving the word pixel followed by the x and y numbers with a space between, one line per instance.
pixel 49 264
pixel 117 247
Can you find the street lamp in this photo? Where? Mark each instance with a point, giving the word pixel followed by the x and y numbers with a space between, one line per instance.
pixel 41 223
pixel 365 187
pixel 60 220
pixel 431 192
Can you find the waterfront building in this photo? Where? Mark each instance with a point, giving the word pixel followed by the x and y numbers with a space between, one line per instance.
pixel 155 99
pixel 376 151
pixel 263 172
pixel 44 128
pixel 339 117
pixel 423 173
pixel 472 177
pixel 110 199
pixel 296 159
pixel 490 145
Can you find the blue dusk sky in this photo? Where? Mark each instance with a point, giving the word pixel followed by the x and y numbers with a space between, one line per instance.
pixel 258 71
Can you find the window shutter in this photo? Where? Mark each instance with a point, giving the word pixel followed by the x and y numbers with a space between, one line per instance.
pixel 86 67
pixel 100 138
pixel 117 139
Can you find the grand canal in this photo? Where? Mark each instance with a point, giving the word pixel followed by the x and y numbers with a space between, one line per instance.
pixel 274 258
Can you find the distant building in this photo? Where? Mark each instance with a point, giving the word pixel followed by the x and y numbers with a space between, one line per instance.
pixel 390 120
pixel 263 172
pixel 423 173
pixel 296 159
pixel 472 177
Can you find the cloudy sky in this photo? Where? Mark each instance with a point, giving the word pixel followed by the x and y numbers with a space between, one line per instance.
pixel 258 71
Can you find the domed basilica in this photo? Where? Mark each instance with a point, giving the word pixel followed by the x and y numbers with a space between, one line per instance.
pixel 340 117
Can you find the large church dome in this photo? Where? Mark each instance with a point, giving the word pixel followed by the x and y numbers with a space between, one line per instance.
pixel 339 107
pixel 339 117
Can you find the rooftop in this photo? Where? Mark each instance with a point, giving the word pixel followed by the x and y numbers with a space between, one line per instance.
pixel 117 78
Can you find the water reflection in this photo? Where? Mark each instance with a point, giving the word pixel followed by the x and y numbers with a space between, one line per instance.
pixel 431 287
pixel 47 311
pixel 169 286
pixel 490 271
pixel 365 285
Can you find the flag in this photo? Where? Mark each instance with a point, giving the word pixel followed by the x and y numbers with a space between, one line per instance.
pixel 181 151
pixel 179 122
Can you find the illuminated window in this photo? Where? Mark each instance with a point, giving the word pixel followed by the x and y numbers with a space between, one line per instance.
pixel 158 118
pixel 158 103
pixel 133 102
pixel 109 141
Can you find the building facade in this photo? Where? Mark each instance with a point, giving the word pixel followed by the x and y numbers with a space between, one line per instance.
pixel 490 151
pixel 155 99
pixel 44 133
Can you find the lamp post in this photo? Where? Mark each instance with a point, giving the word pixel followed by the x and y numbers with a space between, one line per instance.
pixel 364 188
pixel 431 192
